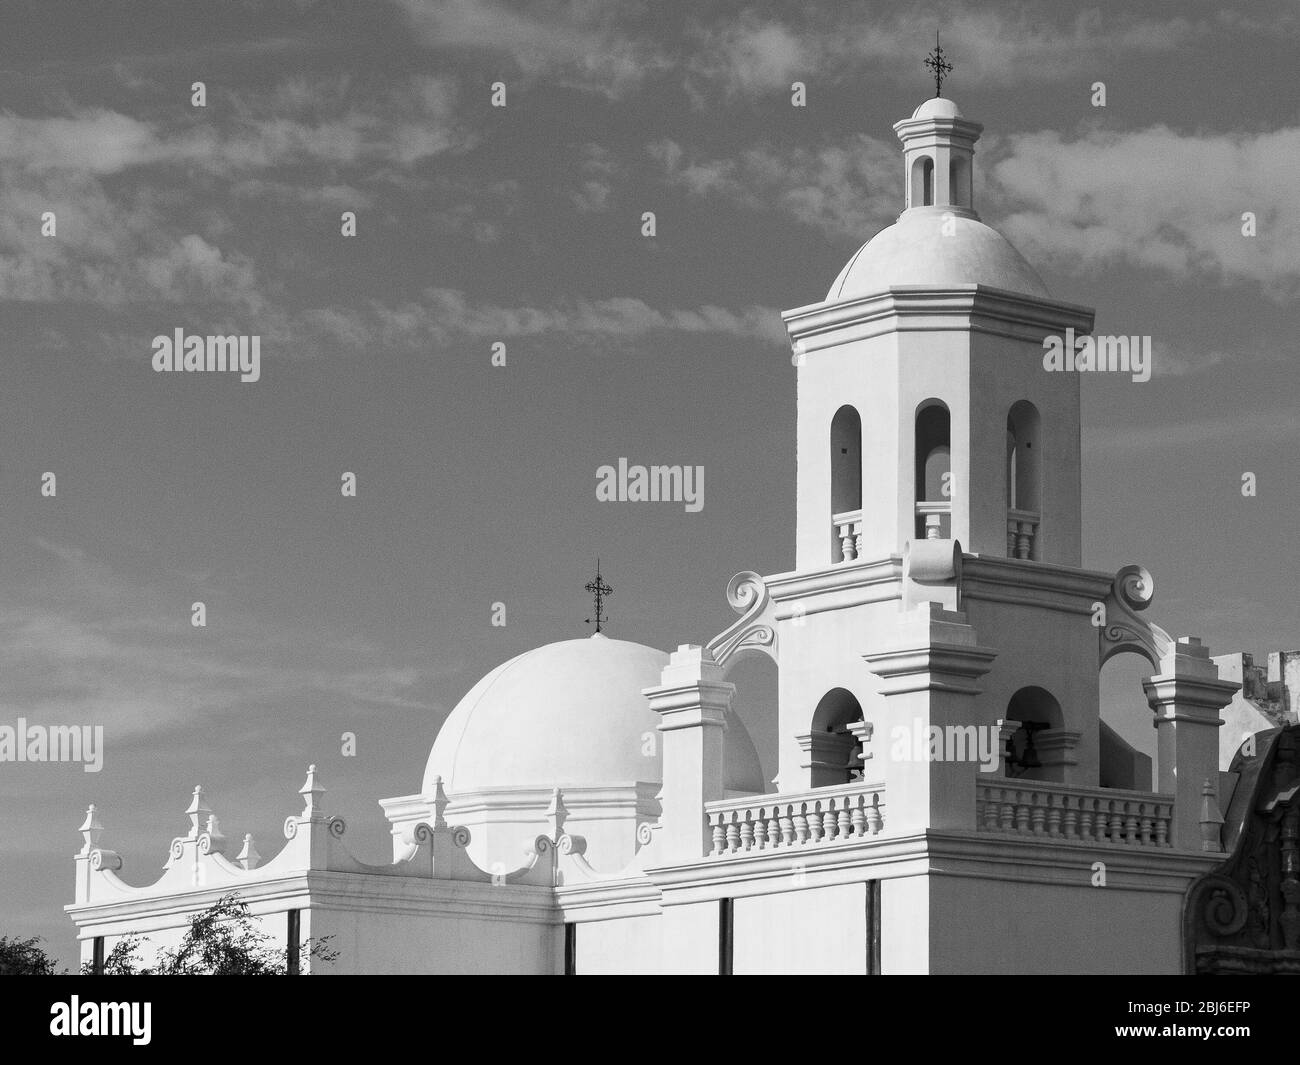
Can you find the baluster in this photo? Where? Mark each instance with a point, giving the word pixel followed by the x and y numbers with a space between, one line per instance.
pixel 1009 809
pixel 716 820
pixel 858 818
pixel 1130 823
pixel 814 822
pixel 848 548
pixel 1086 804
pixel 874 819
pixel 993 795
pixel 1070 820
pixel 1054 815
pixel 760 829
pixel 733 834
pixel 1024 800
pixel 844 824
pixel 1162 827
pixel 800 820
pixel 1038 814
pixel 746 831
pixel 1116 821
pixel 1144 830
pixel 830 823
pixel 787 825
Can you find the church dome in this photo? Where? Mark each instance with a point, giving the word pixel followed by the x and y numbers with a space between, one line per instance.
pixel 924 248
pixel 568 715
pixel 937 107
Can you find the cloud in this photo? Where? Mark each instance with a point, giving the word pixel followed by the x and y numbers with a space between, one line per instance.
pixel 122 238
pixel 87 644
pixel 1106 198
pixel 597 170
pixel 577 43
pixel 447 313
pixel 847 189
pixel 755 53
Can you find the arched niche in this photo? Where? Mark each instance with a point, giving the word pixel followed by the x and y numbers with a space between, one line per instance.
pixel 1040 748
pixel 833 745
pixel 933 451
pixel 846 483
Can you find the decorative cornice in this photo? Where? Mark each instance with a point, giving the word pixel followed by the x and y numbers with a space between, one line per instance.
pixel 976 308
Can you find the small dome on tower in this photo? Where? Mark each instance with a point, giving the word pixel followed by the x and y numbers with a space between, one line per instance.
pixel 926 248
pixel 939 239
pixel 937 107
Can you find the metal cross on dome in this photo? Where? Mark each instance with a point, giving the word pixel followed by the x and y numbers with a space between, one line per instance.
pixel 938 62
pixel 600 591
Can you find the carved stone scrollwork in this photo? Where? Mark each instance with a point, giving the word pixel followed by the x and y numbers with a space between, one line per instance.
pixel 337 826
pixel 756 629
pixel 290 827
pixel 1223 905
pixel 1132 591
pixel 1244 915
pixel 105 859
pixel 571 844
pixel 460 836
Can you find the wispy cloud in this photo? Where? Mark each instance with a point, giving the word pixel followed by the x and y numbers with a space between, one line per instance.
pixel 1105 198
pixel 572 42
pixel 847 188
pixel 95 646
pixel 444 315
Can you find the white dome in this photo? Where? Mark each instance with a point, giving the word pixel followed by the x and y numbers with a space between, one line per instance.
pixel 937 107
pixel 916 250
pixel 568 715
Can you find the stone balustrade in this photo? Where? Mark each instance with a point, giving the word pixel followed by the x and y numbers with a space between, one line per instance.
pixel 848 531
pixel 820 816
pixel 1040 810
pixel 1022 528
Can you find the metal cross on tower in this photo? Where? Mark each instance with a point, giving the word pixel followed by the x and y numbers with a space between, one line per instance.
pixel 938 63
pixel 600 592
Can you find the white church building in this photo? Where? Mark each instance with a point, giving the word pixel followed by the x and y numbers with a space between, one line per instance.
pixel 946 799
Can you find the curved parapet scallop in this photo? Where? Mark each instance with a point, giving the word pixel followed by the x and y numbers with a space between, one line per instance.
pixel 756 630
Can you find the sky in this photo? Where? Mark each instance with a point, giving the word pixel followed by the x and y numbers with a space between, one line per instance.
pixel 522 225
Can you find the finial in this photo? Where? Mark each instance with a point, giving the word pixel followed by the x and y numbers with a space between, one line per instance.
pixel 600 591
pixel 312 793
pixel 198 811
pixel 248 856
pixel 557 813
pixel 1211 818
pixel 440 801
pixel 937 62
pixel 90 830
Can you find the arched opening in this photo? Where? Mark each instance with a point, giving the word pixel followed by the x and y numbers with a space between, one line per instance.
pixel 1039 748
pixel 1024 488
pixel 1126 742
pixel 833 745
pixel 922 184
pixel 933 471
pixel 755 703
pixel 846 484
pixel 959 193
